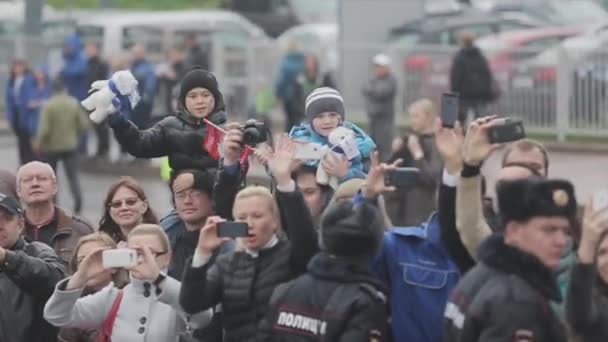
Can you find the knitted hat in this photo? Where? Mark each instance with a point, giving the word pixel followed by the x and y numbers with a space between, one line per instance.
pixel 522 199
pixel 199 78
pixel 351 230
pixel 323 100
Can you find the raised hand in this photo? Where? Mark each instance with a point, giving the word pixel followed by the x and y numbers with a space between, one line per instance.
pixel 90 267
pixel 281 161
pixel 450 142
pixel 595 223
pixel 374 184
pixel 146 268
pixel 208 241
pixel 477 146
pixel 232 145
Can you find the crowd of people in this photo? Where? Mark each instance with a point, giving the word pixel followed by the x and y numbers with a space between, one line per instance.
pixel 331 251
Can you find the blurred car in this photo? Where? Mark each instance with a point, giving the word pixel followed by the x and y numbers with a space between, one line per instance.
pixel 533 86
pixel 505 50
pixel 428 45
pixel 277 16
pixel 318 39
pixel 555 12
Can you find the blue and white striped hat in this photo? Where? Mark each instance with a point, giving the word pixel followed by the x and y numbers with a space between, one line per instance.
pixel 322 100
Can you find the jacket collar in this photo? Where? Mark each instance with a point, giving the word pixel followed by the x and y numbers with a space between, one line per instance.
pixel 496 254
pixel 218 117
pixel 274 240
pixel 343 270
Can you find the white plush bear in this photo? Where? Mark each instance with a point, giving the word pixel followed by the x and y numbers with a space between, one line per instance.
pixel 119 90
pixel 342 141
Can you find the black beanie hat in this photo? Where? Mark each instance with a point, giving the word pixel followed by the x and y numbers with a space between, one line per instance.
pixel 351 230
pixel 199 78
pixel 522 199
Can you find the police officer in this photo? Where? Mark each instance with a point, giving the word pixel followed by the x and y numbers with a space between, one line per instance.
pixel 338 299
pixel 506 296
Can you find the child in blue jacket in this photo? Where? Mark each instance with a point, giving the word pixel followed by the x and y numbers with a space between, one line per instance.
pixel 324 113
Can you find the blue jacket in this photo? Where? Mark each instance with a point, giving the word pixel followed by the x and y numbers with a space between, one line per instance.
pixel 291 67
pixel 74 73
pixel 28 117
pixel 146 77
pixel 359 166
pixel 420 275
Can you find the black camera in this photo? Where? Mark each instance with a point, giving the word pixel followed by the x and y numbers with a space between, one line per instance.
pixel 254 133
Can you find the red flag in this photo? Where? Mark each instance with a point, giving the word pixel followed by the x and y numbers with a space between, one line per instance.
pixel 212 140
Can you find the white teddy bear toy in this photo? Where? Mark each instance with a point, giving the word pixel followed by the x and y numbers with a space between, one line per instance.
pixel 342 141
pixel 112 95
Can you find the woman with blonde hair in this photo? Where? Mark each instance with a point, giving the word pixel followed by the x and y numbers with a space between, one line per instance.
pixel 147 308
pixel 242 281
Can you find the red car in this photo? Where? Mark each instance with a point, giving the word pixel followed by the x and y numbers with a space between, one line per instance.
pixel 503 51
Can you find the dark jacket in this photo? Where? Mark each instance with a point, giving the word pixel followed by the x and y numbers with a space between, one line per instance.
pixel 61 233
pixel 241 283
pixel 198 56
pixel 587 304
pixel 412 205
pixel 97 69
pixel 74 72
pixel 504 298
pixel 180 137
pixel 380 94
pixel 27 280
pixel 470 75
pixel 336 300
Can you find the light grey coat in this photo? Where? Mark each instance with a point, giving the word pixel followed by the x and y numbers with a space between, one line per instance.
pixel 152 318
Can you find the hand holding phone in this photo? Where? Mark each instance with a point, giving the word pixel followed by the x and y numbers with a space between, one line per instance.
pixel 450 105
pixel 402 177
pixel 232 230
pixel 508 131
pixel 119 258
pixel 308 151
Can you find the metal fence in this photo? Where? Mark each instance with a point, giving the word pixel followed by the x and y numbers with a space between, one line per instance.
pixel 563 94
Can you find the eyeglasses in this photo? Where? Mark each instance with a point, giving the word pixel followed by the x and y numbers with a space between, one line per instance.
pixel 129 202
pixel 188 193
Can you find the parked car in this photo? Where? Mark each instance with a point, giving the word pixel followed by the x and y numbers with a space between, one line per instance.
pixel 534 82
pixel 433 45
pixel 277 16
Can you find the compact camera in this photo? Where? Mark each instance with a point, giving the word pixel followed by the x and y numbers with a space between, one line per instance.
pixel 254 133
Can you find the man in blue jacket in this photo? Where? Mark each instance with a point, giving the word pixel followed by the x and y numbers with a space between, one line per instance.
pixel 74 72
pixel 291 68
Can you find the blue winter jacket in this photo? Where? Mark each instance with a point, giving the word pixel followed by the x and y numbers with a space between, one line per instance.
pixel 74 72
pixel 359 166
pixel 28 117
pixel 146 77
pixel 420 275
pixel 291 67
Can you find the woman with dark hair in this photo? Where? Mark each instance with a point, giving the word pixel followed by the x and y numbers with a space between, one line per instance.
pixel 118 278
pixel 20 92
pixel 125 207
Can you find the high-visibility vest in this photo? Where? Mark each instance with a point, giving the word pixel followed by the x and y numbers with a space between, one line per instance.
pixel 165 169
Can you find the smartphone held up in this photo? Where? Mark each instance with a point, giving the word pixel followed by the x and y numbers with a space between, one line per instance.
pixel 450 105
pixel 119 258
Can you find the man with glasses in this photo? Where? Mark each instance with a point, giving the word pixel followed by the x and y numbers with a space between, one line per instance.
pixel 193 200
pixel 28 274
pixel 44 221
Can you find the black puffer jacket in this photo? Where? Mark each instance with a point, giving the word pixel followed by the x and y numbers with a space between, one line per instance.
pixel 336 300
pixel 241 283
pixel 587 303
pixel 27 280
pixel 504 298
pixel 471 76
pixel 180 137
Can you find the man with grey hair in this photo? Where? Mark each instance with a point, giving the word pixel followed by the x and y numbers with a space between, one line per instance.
pixel 44 221
pixel 380 94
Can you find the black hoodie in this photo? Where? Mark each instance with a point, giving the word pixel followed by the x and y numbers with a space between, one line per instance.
pixel 337 300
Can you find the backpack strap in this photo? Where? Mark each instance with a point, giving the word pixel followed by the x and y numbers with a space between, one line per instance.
pixel 108 323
